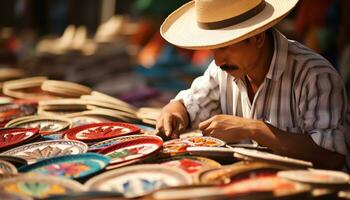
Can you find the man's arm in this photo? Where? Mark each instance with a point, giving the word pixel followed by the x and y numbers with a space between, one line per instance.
pixel 295 145
pixel 193 105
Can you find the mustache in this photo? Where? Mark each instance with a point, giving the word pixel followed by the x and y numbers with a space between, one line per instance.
pixel 228 67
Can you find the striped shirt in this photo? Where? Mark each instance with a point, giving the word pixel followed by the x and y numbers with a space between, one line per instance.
pixel 302 93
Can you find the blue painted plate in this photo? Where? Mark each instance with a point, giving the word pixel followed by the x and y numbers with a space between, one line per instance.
pixel 70 166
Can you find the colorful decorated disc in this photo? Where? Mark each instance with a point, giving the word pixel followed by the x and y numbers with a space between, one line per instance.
pixel 101 131
pixel 190 164
pixel 70 166
pixel 7 168
pixel 133 149
pixel 12 196
pixel 11 137
pixel 46 125
pixel 251 154
pixel 138 180
pixel 316 176
pixel 278 187
pixel 42 150
pixel 39 186
pixel 106 143
pixel 180 145
pixel 239 170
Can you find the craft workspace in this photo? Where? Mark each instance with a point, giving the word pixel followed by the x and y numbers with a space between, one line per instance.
pixel 174 100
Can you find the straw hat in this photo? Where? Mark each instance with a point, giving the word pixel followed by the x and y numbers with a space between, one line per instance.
pixel 208 24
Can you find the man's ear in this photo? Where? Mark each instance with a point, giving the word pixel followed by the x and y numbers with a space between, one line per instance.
pixel 258 40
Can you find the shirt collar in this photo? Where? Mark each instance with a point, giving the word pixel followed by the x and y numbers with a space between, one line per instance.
pixel 279 59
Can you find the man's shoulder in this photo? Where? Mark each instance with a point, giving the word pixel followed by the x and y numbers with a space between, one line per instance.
pixel 307 58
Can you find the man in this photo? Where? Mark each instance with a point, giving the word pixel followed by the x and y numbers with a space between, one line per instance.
pixel 260 85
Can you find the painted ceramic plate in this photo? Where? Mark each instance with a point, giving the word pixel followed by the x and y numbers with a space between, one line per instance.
pixel 251 154
pixel 267 183
pixel 316 176
pixel 190 164
pixel 16 161
pixel 180 145
pixel 39 186
pixel 101 131
pixel 12 196
pixel 138 180
pixel 228 173
pixel 11 137
pixel 70 166
pixel 7 168
pixel 46 125
pixel 106 143
pixel 41 150
pixel 133 149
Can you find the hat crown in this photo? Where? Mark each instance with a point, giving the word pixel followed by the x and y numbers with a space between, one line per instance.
pixel 218 10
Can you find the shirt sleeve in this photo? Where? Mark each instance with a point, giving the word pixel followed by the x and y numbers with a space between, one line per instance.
pixel 202 99
pixel 324 111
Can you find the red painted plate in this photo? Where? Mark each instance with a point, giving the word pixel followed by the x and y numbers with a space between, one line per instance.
pixel 11 137
pixel 100 131
pixel 132 149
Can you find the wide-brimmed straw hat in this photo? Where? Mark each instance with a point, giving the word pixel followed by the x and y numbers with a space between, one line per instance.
pixel 209 24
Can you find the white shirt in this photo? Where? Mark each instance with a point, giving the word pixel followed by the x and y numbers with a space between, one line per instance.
pixel 302 93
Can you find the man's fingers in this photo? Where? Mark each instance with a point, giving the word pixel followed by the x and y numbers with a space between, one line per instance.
pixel 168 123
pixel 181 126
pixel 159 124
pixel 204 124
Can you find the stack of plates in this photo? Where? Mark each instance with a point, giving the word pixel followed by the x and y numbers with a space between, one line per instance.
pixel 148 115
pixel 28 88
pixel 95 104
pixel 7 74
pixel 46 125
pixel 64 88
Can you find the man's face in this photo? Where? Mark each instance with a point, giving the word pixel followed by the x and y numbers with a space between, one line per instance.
pixel 237 59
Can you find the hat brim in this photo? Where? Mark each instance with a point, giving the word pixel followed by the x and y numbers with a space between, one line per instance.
pixel 181 29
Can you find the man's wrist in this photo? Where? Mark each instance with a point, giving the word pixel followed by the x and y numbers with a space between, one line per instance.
pixel 256 127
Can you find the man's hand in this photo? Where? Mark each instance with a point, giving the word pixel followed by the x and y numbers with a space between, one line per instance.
pixel 228 128
pixel 172 120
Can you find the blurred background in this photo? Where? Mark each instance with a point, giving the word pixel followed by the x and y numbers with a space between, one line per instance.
pixel 114 46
